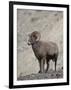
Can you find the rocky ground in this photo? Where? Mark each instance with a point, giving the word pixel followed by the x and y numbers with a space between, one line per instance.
pixel 49 75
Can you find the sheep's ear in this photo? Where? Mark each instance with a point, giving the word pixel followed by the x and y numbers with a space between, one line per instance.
pixel 38 37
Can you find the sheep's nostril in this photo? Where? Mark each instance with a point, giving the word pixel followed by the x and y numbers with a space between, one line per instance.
pixel 28 43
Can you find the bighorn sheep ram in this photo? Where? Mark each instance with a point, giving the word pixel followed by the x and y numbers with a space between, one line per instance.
pixel 44 51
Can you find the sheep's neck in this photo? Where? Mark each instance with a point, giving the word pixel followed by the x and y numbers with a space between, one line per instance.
pixel 35 48
pixel 36 45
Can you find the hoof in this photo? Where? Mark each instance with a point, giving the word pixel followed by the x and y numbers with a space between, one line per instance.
pixel 40 72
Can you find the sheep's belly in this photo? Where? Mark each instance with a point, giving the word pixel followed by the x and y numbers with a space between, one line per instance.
pixel 40 55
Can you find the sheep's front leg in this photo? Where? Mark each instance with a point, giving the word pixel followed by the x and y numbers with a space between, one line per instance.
pixel 42 65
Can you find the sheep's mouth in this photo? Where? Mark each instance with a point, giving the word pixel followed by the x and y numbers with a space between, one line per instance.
pixel 29 43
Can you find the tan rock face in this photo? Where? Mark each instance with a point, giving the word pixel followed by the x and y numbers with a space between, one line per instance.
pixel 50 25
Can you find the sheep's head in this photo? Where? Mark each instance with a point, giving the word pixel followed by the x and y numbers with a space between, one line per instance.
pixel 33 37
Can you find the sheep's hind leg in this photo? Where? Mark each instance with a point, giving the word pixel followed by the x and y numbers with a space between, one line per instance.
pixel 55 63
pixel 47 66
pixel 55 60
pixel 39 66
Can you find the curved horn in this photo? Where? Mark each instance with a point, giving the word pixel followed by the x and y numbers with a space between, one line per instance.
pixel 38 36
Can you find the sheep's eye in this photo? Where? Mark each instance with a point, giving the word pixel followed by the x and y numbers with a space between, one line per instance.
pixel 34 36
